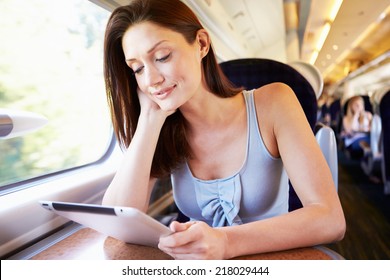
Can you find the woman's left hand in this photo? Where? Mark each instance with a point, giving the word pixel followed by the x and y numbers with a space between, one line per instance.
pixel 194 240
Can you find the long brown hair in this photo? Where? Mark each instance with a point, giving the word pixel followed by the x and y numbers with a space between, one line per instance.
pixel 121 85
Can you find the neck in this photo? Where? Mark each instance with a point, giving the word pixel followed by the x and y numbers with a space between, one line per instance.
pixel 208 111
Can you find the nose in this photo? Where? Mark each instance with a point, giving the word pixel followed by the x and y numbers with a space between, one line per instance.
pixel 153 76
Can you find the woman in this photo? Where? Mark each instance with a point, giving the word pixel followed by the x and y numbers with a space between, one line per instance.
pixel 356 127
pixel 177 114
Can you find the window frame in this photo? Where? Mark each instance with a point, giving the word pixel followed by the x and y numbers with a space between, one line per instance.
pixel 23 221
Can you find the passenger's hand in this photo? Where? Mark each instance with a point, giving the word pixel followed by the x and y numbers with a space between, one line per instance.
pixel 194 240
pixel 150 107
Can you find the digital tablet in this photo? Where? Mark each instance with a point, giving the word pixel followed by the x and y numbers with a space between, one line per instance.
pixel 124 223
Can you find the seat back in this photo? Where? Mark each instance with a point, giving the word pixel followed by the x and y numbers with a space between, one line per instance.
pixel 311 74
pixel 367 103
pixel 375 135
pixel 334 110
pixel 373 153
pixel 384 109
pixel 327 141
pixel 253 73
pixel 376 98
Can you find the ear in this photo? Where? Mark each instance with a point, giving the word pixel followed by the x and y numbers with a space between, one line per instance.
pixel 203 39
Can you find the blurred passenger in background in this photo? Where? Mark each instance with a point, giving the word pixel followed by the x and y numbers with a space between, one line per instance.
pixel 356 126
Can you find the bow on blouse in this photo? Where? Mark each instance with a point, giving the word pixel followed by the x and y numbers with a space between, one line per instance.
pixel 220 200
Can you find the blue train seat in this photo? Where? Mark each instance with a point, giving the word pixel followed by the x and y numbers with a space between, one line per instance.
pixel 334 111
pixel 326 139
pixel 373 153
pixel 253 73
pixel 384 110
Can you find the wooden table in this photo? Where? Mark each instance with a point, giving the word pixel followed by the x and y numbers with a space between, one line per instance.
pixel 88 244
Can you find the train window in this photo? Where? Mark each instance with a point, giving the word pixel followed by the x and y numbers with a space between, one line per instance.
pixel 51 63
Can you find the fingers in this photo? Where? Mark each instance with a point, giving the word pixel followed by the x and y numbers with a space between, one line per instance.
pixel 193 240
pixel 176 226
pixel 182 235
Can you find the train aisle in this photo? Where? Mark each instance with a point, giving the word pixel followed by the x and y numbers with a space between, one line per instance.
pixel 367 211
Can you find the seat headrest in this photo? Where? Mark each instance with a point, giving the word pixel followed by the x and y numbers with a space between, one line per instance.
pixel 252 73
pixel 311 74
pixel 377 96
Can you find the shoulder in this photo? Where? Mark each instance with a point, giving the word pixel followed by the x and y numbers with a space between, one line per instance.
pixel 276 106
pixel 278 90
pixel 273 96
pixel 274 87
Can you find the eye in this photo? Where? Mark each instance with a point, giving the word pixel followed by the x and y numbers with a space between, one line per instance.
pixel 163 59
pixel 138 70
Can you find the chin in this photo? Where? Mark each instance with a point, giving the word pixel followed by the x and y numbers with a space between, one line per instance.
pixel 168 107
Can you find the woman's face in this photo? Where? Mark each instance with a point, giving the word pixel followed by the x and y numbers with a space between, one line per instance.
pixel 357 106
pixel 167 68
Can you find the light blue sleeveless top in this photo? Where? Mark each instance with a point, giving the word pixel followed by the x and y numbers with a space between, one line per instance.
pixel 253 193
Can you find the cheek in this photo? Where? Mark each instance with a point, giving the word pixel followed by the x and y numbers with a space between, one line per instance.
pixel 192 69
pixel 185 70
pixel 141 84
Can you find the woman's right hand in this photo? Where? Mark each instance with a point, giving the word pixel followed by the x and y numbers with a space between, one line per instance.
pixel 150 107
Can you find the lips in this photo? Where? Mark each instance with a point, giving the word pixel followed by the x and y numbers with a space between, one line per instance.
pixel 161 93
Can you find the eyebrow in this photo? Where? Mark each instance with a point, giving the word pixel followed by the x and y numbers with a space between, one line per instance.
pixel 150 50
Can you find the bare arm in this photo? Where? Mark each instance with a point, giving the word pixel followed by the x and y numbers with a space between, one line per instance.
pixel 132 184
pixel 321 219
